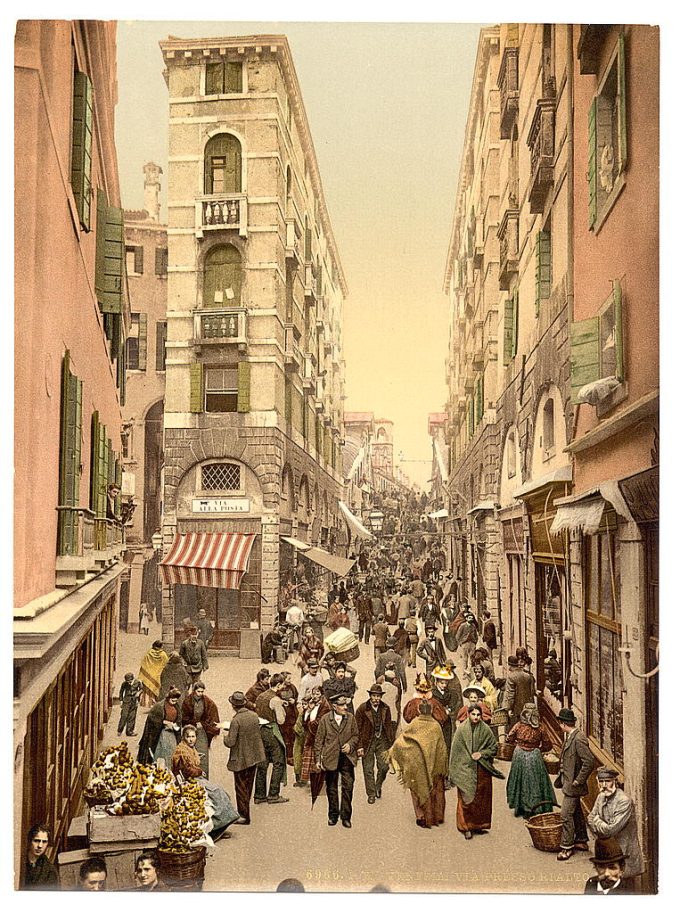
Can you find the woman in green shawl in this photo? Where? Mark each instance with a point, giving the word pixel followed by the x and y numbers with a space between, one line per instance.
pixel 418 757
pixel 470 769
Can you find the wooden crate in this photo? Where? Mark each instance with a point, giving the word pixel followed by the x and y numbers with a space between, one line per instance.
pixel 123 829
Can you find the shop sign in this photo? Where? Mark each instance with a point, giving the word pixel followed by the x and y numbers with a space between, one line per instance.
pixel 220 505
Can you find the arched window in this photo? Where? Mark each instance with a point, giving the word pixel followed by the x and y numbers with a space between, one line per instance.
pixel 221 477
pixel 222 164
pixel 548 425
pixel 222 274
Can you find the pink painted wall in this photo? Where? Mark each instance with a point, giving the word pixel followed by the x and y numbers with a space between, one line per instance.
pixel 624 248
pixel 55 306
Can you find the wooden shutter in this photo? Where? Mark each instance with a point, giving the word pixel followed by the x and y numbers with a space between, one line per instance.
pixel 479 399
pixel 592 163
pixel 214 78
pixel 139 259
pixel 196 380
pixel 142 341
pixel 69 458
pixel 618 324
pixel 515 321
pixel 585 354
pixel 622 125
pixel 161 261
pixel 243 387
pixel 81 147
pixel 118 479
pixel 508 332
pixel 98 467
pixel 543 267
pixel 110 257
pixel 222 271
pixel 328 442
pixel 232 166
pixel 471 417
pixel 233 77
pixel 121 363
pixel 161 337
pixel 308 244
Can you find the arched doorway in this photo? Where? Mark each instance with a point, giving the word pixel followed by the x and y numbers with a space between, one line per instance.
pixel 153 464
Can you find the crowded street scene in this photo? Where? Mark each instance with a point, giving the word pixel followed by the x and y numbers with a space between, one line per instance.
pixel 329 596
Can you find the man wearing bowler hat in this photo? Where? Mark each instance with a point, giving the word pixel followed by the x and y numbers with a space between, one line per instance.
pixel 374 722
pixel 244 740
pixel 610 864
pixel 335 752
pixel 613 815
pixel 576 764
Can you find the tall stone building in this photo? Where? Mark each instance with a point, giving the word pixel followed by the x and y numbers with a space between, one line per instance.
pixel 254 372
pixel 146 253
pixel 71 320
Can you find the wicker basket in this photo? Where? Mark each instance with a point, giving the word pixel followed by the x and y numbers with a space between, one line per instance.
pixel 348 655
pixel 553 767
pixel 545 831
pixel 500 717
pixel 505 751
pixel 183 871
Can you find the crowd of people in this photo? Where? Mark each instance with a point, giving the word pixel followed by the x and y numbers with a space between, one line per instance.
pixel 407 612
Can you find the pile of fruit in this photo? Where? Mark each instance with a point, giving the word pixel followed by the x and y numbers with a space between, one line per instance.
pixel 110 774
pixel 184 820
pixel 126 787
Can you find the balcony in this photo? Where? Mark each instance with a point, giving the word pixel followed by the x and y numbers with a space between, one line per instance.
pixel 76 544
pixel 508 239
pixel 308 373
pixel 541 143
pixel 591 39
pixel 508 85
pixel 478 248
pixel 292 354
pixel 220 212
pixel 310 282
pixel 293 241
pixel 220 326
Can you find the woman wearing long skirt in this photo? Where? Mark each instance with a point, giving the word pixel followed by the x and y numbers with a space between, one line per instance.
pixel 418 757
pixel 529 789
pixel 153 664
pixel 161 730
pixel 471 768
pixel 200 711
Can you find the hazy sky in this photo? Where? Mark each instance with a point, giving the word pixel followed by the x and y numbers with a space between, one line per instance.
pixel 387 105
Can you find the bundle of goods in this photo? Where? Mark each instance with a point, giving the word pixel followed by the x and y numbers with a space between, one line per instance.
pixel 126 787
pixel 552 762
pixel 185 821
pixel 343 645
pixel 110 776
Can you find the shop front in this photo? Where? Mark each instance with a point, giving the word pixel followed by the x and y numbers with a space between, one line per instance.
pixel 513 590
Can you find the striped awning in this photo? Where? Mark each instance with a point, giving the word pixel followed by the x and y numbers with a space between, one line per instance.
pixel 208 559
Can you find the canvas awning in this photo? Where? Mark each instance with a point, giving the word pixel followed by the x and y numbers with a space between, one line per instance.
pixel 441 460
pixel 585 516
pixel 563 474
pixel 320 556
pixel 356 526
pixel 608 491
pixel 439 514
pixel 216 560
pixel 296 543
pixel 482 505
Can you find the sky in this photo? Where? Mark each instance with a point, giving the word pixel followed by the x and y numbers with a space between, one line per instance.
pixel 387 105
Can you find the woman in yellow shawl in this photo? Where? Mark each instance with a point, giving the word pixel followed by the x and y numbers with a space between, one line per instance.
pixel 150 673
pixel 418 757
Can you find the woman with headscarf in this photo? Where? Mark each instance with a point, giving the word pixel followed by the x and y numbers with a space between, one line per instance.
pixel 150 673
pixel 175 675
pixel 317 707
pixel 418 757
pixel 202 713
pixel 529 789
pixel 480 679
pixel 471 768
pixel 186 762
pixel 161 730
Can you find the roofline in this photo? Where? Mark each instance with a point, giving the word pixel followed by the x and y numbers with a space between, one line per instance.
pixel 299 112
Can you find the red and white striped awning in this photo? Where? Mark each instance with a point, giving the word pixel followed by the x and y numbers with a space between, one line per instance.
pixel 208 559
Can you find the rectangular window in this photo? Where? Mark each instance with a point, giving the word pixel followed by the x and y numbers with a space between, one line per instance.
pixel 223 77
pixel 221 389
pixel 70 458
pixel 161 338
pixel 81 147
pixel 133 343
pixel 597 346
pixel 110 256
pixel 161 261
pixel 607 135
pixel 510 327
pixel 543 266
pixel 134 259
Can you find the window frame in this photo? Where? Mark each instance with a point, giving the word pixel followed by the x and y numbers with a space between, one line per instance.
pixel 237 489
pixel 224 391
pixel 224 65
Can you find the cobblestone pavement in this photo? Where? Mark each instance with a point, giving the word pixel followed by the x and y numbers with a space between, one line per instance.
pixel 384 846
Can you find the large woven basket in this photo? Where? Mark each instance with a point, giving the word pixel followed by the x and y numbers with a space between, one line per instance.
pixel 183 871
pixel 545 831
pixel 553 767
pixel 505 751
pixel 500 717
pixel 348 655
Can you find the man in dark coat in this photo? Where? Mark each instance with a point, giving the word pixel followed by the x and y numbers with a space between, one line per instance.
pixel 365 614
pixel 244 740
pixel 519 689
pixel 576 764
pixel 429 612
pixel 380 634
pixel 194 654
pixel 610 863
pixel 431 649
pixel 446 688
pixel 205 627
pixel 260 685
pixel 269 706
pixel 391 656
pixel 376 735
pixel 335 752
pixel 489 634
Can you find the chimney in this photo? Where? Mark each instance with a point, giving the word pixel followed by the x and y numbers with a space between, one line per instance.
pixel 152 189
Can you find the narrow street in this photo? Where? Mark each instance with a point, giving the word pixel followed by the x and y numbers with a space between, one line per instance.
pixel 384 846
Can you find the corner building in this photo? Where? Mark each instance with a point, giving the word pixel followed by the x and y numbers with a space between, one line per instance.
pixel 254 371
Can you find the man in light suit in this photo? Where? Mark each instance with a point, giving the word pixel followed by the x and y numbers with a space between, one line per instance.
pixel 335 752
pixel 576 764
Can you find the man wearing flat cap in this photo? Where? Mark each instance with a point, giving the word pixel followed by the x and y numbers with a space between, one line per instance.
pixel 335 752
pixel 610 864
pixel 391 656
pixel 376 735
pixel 244 739
pixel 613 815
pixel 576 764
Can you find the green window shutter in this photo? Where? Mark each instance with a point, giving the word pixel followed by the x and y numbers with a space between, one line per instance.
pixel 222 271
pixel 471 417
pixel 515 321
pixel 592 163
pixel 623 127
pixel 196 395
pixel 94 465
pixel 69 458
pixel 161 261
pixel 110 257
pixel 243 387
pixel 118 479
pixel 142 341
pixel 214 78
pixel 161 338
pixel 139 259
pixel 585 354
pixel 618 323
pixel 102 472
pixel 479 399
pixel 121 363
pixel 233 77
pixel 543 267
pixel 81 147
pixel 508 332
